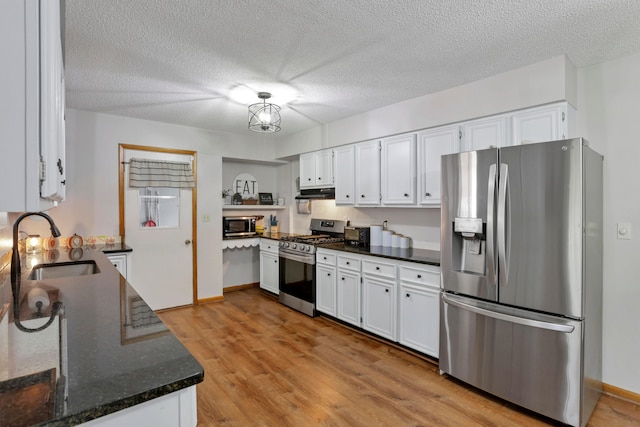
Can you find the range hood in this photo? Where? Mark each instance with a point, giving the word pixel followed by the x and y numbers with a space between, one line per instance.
pixel 317 193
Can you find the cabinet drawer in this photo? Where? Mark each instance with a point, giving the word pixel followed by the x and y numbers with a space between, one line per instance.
pixel 325 258
pixel 269 245
pixel 379 269
pixel 424 275
pixel 348 263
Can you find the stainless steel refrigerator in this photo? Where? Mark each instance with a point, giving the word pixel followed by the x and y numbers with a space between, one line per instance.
pixel 521 260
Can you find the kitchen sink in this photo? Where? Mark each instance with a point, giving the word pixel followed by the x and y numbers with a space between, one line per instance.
pixel 63 269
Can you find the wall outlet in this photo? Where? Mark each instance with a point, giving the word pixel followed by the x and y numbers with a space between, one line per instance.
pixel 624 230
pixel 206 218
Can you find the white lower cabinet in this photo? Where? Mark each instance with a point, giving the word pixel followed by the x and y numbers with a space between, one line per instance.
pixel 419 307
pixel 269 265
pixel 379 307
pixel 121 262
pixel 326 274
pixel 396 300
pixel 349 297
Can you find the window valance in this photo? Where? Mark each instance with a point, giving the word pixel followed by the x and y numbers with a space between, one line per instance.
pixel 160 173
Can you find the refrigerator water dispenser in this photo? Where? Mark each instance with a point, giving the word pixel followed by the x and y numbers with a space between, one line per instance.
pixel 469 245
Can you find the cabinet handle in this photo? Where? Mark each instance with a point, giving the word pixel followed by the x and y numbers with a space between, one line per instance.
pixel 347 196
pixel 319 178
pixel 362 196
pixel 377 268
pixel 60 168
pixel 275 260
pixel 386 290
pixel 347 263
pixel 324 258
pixel 408 295
pixel 329 274
pixel 406 194
pixel 342 278
pixel 419 276
pixel 427 194
pixel 308 179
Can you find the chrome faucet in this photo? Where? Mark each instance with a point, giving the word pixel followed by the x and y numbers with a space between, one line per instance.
pixel 15 255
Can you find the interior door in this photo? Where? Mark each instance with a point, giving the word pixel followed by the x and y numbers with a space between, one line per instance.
pixel 158 226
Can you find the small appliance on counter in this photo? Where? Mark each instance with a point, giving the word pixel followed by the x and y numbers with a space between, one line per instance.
pixel 357 236
pixel 239 226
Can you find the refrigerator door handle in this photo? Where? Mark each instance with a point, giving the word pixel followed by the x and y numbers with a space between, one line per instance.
pixel 503 263
pixel 452 300
pixel 491 190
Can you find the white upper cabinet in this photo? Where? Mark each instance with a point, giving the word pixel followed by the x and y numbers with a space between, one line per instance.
pixel 398 170
pixel 316 169
pixel 432 144
pixel 367 159
pixel 547 123
pixel 31 106
pixel 484 133
pixel 345 178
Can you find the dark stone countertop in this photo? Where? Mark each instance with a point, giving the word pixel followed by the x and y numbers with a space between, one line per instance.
pixel 422 256
pixel 108 349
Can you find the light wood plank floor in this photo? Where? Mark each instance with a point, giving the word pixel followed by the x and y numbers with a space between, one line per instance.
pixel 267 365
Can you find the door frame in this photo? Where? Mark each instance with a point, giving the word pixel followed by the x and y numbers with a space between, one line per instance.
pixel 194 201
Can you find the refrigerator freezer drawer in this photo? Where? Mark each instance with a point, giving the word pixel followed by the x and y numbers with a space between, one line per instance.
pixel 530 359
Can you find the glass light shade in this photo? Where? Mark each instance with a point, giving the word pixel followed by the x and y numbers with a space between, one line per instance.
pixel 33 244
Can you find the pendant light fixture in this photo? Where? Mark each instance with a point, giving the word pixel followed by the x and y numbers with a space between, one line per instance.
pixel 264 117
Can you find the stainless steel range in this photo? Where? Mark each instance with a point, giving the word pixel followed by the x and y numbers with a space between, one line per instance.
pixel 298 264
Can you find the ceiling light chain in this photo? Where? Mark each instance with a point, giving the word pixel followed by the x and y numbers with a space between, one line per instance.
pixel 264 117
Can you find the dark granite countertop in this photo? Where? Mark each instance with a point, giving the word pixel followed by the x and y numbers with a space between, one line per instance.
pixel 422 256
pixel 105 350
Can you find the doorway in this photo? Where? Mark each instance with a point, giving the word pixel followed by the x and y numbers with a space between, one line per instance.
pixel 160 225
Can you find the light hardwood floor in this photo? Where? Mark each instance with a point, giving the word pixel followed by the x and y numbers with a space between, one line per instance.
pixel 267 365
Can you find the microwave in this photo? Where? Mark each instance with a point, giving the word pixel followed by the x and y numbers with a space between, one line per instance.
pixel 238 226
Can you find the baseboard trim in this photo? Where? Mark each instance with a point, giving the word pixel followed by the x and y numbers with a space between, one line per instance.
pixel 620 393
pixel 240 287
pixel 212 299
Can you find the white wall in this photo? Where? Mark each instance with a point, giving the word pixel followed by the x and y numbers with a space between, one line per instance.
pixel 608 95
pixel 91 207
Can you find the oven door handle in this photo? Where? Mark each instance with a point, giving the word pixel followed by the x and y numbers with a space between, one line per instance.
pixel 295 257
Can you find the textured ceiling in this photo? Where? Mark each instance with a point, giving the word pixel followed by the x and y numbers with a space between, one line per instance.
pixel 183 61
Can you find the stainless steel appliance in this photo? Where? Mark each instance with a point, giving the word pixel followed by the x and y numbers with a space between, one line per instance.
pixel 297 259
pixel 239 226
pixel 357 236
pixel 521 260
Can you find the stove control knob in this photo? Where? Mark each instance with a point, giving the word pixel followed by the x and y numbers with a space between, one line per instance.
pixel 281 244
pixel 294 246
pixel 308 249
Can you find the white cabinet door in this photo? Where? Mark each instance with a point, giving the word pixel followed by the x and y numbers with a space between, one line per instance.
pixel 485 133
pixel 398 170
pixel 379 307
pixel 307 170
pixel 419 318
pixel 368 173
pixel 31 106
pixel 119 261
pixel 324 168
pixel 344 175
pixel 349 297
pixel 269 273
pixel 432 144
pixel 316 169
pixel 548 123
pixel 326 289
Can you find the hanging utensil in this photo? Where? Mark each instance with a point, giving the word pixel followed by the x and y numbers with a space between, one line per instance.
pixel 150 222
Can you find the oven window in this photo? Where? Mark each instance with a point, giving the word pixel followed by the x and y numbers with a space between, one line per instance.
pixel 297 279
